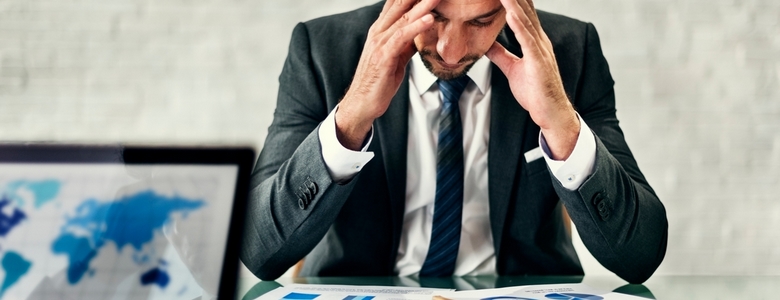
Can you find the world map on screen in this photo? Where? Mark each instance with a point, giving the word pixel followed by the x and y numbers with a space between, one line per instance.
pixel 128 223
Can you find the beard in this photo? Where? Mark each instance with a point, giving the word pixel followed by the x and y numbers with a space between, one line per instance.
pixel 447 74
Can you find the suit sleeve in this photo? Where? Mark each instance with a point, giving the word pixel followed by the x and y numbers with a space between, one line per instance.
pixel 618 215
pixel 292 201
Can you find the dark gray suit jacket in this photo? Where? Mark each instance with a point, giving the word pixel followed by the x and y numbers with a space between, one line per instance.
pixel 353 229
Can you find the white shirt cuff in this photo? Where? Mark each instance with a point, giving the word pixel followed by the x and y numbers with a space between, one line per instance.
pixel 572 172
pixel 342 163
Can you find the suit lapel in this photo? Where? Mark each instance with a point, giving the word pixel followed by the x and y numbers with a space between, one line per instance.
pixel 507 120
pixel 392 131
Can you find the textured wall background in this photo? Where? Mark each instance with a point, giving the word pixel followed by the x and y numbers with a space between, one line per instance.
pixel 697 87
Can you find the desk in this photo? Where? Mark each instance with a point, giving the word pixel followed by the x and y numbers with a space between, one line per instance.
pixel 658 287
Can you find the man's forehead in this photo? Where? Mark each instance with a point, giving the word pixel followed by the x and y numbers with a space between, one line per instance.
pixel 466 8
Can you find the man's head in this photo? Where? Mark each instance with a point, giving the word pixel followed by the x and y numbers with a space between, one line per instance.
pixel 462 31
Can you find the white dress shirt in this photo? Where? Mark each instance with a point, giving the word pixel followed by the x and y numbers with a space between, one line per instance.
pixel 476 255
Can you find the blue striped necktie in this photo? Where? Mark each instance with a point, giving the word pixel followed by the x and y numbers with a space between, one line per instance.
pixel 448 204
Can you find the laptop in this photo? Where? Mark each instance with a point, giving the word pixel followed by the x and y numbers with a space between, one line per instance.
pixel 121 222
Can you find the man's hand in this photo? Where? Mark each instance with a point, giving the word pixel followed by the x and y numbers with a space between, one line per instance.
pixel 534 79
pixel 389 47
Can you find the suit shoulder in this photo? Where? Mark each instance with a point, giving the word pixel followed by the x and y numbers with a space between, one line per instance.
pixel 557 21
pixel 563 30
pixel 328 49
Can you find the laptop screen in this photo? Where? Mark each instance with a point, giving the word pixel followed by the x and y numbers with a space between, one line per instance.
pixel 120 223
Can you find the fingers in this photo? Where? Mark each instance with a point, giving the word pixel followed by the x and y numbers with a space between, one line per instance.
pixel 524 22
pixel 402 12
pixel 501 57
pixel 530 11
pixel 402 37
pixel 400 22
pixel 523 17
pixel 524 35
pixel 419 10
pixel 390 13
pixel 526 8
pixel 535 19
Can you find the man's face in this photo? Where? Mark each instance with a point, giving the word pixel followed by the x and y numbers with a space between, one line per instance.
pixel 462 31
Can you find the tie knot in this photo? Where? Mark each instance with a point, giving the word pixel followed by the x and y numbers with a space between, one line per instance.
pixel 452 89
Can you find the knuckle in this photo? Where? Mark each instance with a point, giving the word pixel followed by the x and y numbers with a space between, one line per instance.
pixel 381 56
pixel 372 44
pixel 405 18
pixel 398 34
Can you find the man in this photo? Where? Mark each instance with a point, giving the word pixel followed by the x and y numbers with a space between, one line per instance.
pixel 371 187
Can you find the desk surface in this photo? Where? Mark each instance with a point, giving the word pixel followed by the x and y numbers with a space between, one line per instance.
pixel 658 287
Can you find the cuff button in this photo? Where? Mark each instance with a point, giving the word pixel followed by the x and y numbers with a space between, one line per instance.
pixel 596 199
pixel 312 187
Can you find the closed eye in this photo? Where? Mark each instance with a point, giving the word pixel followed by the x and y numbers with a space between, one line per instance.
pixel 481 23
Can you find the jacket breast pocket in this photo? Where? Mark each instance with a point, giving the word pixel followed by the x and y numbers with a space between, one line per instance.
pixel 536 167
pixel 534 161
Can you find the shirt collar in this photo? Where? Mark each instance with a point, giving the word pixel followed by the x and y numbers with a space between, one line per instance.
pixel 423 79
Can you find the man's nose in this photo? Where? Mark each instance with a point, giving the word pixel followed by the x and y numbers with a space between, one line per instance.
pixel 452 43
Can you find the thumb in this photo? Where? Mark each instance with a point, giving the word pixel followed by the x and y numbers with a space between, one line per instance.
pixel 501 57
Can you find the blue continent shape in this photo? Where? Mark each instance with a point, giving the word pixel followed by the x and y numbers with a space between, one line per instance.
pixel 80 252
pixel 15 267
pixel 155 276
pixel 43 190
pixel 131 220
pixel 9 222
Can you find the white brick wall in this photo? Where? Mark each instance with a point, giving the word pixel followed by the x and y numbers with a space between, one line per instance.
pixel 697 87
